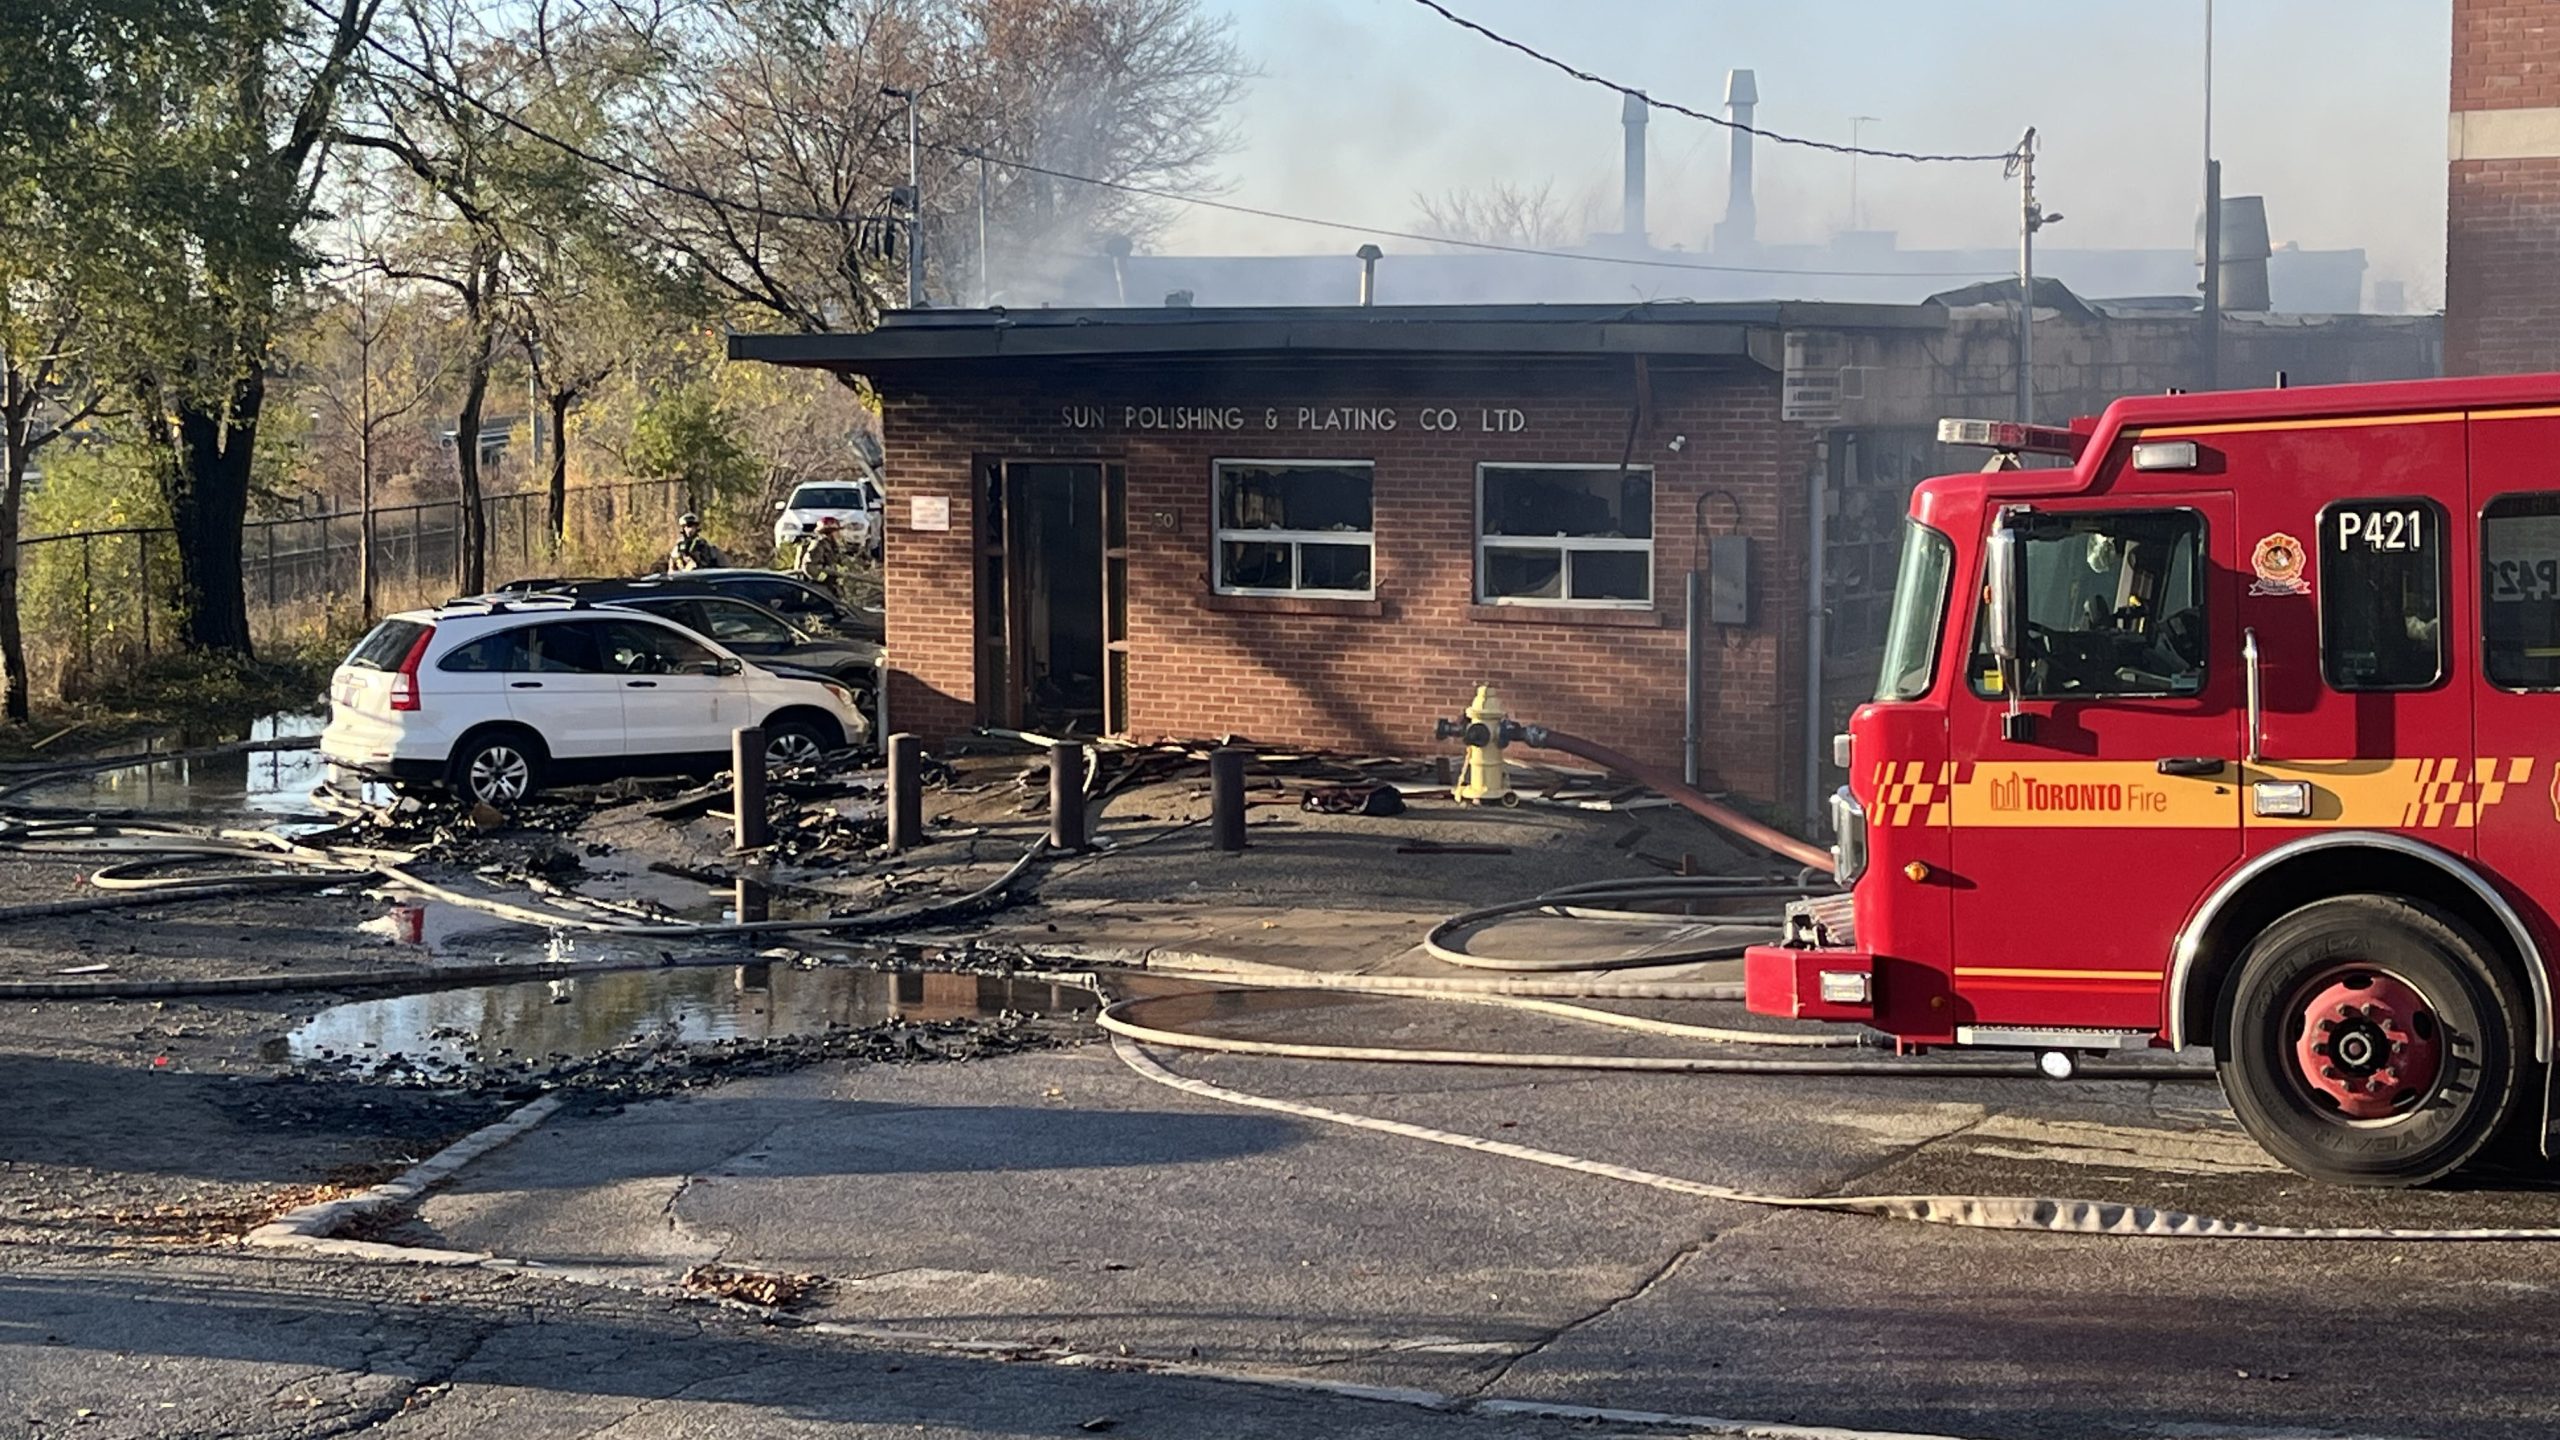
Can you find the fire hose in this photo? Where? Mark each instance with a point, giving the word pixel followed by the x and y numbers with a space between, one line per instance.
pixel 1128 1022
pixel 1723 817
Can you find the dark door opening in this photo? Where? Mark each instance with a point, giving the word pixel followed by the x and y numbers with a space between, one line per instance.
pixel 1048 606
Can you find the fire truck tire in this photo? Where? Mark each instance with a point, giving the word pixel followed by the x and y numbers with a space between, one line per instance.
pixel 2372 1040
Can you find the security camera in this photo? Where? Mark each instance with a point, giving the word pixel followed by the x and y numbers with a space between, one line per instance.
pixel 1676 444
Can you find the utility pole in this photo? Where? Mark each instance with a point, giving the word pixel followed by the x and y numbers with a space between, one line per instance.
pixel 915 203
pixel 2031 218
pixel 2209 314
pixel 1856 124
pixel 986 293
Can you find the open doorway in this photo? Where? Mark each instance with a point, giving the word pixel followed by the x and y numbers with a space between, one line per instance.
pixel 1052 593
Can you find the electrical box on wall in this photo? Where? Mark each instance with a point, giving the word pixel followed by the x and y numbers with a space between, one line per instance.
pixel 1729 579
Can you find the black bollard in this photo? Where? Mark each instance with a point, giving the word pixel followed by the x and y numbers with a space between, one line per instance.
pixel 746 787
pixel 1226 798
pixel 906 793
pixel 1066 796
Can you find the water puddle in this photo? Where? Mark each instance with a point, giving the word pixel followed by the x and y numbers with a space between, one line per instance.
pixel 486 1029
pixel 266 783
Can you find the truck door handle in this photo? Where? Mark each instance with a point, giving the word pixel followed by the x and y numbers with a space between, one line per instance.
pixel 641 684
pixel 524 684
pixel 2192 765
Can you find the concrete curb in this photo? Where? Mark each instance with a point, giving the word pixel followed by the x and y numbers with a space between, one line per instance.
pixel 308 1228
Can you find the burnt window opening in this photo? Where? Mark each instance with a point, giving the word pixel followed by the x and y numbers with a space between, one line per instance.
pixel 1295 527
pixel 1564 535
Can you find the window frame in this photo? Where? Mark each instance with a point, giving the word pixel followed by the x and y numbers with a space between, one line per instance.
pixel 514 635
pixel 709 605
pixel 1220 536
pixel 2444 590
pixel 2488 675
pixel 1565 545
pixel 1977 631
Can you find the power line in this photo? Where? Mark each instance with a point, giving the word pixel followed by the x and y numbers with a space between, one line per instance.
pixel 1543 58
pixel 1429 239
pixel 424 75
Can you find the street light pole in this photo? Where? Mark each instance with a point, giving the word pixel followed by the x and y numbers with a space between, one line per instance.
pixel 1856 124
pixel 2031 218
pixel 915 203
pixel 2209 314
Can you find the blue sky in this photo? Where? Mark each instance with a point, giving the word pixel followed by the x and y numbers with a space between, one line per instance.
pixel 2332 109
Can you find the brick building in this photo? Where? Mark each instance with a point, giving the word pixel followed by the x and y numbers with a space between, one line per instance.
pixel 1328 525
pixel 2502 201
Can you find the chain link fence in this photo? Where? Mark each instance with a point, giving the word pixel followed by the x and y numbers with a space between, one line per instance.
pixel 95 603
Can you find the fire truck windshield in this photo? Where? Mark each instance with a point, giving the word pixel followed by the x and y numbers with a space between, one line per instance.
pixel 2114 606
pixel 1919 610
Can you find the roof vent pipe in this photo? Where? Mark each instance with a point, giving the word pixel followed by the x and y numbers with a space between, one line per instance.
pixel 1118 248
pixel 1369 255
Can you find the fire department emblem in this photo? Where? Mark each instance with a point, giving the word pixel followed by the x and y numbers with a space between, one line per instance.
pixel 2278 561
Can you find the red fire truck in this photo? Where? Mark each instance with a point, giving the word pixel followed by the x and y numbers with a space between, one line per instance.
pixel 2240 729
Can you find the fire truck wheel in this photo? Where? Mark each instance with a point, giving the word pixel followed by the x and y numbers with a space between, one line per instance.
pixel 2370 1040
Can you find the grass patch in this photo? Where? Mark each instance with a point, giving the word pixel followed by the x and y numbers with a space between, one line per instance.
pixel 203 697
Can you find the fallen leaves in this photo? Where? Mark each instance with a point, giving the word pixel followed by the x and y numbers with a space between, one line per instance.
pixel 773 1290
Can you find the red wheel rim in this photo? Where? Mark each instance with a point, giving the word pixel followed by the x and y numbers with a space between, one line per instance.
pixel 2366 1043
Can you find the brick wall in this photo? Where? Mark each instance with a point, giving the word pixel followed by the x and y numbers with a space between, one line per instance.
pixel 2506 54
pixel 2502 203
pixel 1289 672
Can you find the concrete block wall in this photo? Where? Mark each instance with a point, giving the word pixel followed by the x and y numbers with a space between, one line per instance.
pixel 1372 676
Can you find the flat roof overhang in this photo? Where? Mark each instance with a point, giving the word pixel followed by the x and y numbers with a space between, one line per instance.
pixel 1752 333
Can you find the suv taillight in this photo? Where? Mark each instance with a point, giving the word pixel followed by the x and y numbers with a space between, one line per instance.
pixel 404 681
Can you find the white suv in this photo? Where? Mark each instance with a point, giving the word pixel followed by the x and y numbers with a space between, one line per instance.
pixel 855 504
pixel 498 697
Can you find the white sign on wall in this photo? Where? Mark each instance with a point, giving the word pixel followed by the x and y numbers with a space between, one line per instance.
pixel 929 512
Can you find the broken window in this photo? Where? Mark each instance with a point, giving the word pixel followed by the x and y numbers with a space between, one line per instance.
pixel 1564 535
pixel 1295 527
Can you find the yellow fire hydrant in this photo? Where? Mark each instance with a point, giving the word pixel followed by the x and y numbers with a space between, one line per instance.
pixel 1482 779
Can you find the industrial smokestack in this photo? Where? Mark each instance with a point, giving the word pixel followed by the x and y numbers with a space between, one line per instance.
pixel 1369 257
pixel 1632 118
pixel 1741 227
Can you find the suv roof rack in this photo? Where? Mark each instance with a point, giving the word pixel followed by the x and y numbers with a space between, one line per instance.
pixel 510 604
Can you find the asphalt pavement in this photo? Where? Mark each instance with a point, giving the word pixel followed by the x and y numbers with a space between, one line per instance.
pixel 1059 1201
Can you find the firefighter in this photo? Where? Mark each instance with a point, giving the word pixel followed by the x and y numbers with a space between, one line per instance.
pixel 822 556
pixel 692 552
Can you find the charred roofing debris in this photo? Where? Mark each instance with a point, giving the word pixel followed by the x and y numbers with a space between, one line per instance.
pixel 676 990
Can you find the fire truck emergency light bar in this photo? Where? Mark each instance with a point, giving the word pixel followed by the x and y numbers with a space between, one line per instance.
pixel 2012 436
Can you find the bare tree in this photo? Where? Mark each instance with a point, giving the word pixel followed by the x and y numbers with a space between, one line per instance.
pixel 47 389
pixel 768 151
pixel 441 119
pixel 1503 213
pixel 379 363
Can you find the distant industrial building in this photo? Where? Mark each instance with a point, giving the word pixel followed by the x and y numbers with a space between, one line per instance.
pixel 1855 267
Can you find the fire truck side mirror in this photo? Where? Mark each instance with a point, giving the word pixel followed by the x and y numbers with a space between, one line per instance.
pixel 2003 577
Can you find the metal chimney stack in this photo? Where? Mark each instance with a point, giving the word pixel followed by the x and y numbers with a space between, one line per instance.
pixel 1633 118
pixel 1369 255
pixel 1741 227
